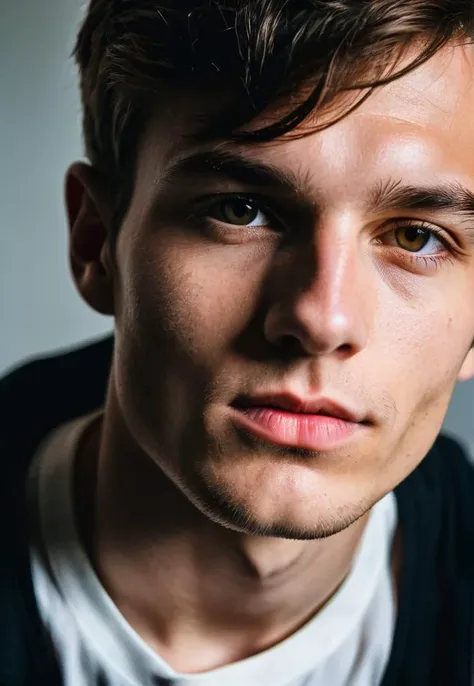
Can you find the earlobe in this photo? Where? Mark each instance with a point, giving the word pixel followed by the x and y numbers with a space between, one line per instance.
pixel 467 369
pixel 87 211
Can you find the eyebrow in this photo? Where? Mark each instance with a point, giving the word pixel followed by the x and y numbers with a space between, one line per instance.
pixel 385 197
pixel 445 197
pixel 235 167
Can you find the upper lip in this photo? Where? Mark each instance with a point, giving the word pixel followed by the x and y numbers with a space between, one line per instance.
pixel 293 403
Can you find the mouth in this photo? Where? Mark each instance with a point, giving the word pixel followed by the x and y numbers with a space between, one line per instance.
pixel 317 424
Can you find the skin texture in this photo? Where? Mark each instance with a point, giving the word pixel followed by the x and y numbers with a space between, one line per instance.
pixel 320 297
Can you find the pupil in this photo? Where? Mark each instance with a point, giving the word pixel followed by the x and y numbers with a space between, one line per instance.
pixel 238 211
pixel 413 234
pixel 241 209
pixel 412 238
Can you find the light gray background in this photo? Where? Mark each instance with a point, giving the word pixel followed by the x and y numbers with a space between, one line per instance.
pixel 39 137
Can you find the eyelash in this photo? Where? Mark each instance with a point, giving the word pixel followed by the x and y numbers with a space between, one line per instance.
pixel 440 234
pixel 205 204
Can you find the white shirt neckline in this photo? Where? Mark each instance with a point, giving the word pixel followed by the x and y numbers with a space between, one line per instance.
pixel 122 651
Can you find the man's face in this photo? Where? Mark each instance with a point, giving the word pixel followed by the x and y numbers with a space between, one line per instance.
pixel 337 268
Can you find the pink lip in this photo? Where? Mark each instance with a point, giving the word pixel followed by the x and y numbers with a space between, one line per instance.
pixel 326 426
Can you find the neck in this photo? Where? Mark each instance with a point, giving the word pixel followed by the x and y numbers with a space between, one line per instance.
pixel 202 595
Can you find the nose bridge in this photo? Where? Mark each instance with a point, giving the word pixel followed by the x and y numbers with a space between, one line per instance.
pixel 333 279
pixel 333 295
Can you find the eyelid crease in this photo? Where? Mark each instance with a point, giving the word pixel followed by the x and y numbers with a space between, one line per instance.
pixel 451 249
pixel 442 234
pixel 284 217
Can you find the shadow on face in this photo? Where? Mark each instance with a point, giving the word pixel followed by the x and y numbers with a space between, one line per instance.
pixel 335 270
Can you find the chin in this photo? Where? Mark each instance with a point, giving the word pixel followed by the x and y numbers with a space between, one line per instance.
pixel 271 510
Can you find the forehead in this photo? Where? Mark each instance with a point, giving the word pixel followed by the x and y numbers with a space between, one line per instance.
pixel 421 123
pixel 434 94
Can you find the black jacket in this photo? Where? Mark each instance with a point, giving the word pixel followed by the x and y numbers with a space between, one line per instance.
pixel 433 642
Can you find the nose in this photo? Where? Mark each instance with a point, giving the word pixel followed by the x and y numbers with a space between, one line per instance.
pixel 322 301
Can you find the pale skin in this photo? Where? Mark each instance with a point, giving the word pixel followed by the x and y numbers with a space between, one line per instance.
pixel 323 293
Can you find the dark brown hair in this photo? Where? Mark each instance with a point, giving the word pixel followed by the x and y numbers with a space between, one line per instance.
pixel 262 52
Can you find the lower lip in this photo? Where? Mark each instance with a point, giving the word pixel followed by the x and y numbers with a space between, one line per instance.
pixel 309 431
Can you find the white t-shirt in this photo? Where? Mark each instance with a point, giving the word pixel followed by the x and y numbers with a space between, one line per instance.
pixel 346 644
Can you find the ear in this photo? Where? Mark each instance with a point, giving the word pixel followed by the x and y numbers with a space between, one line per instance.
pixel 88 212
pixel 467 369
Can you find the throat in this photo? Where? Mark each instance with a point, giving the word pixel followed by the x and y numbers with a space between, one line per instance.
pixel 267 562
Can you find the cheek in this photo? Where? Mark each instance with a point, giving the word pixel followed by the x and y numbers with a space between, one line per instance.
pixel 195 302
pixel 424 354
pixel 181 308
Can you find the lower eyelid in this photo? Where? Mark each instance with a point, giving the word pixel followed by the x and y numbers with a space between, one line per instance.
pixel 433 261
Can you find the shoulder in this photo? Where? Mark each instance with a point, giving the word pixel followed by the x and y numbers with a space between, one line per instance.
pixel 79 374
pixel 444 466
pixel 51 369
pixel 437 498
pixel 44 393
pixel 452 461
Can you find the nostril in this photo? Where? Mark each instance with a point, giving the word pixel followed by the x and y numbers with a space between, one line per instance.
pixel 290 344
pixel 345 349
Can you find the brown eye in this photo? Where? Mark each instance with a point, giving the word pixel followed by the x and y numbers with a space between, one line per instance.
pixel 237 211
pixel 412 238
